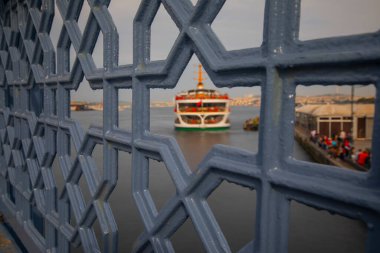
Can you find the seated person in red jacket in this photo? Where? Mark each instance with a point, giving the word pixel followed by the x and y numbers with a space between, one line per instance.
pixel 362 157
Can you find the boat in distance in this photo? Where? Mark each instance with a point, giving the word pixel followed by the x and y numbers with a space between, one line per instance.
pixel 202 109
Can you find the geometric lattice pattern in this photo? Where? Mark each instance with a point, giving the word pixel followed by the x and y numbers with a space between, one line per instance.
pixel 36 128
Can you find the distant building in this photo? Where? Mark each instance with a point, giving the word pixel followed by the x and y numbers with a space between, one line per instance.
pixel 330 119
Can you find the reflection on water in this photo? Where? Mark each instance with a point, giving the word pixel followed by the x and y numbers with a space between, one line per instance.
pixel 233 206
pixel 195 145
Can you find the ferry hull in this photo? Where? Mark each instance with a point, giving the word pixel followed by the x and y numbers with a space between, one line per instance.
pixel 197 129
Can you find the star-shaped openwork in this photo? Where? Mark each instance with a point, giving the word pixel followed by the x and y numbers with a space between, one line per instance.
pixel 37 133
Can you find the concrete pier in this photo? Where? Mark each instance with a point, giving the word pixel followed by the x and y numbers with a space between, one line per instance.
pixel 320 156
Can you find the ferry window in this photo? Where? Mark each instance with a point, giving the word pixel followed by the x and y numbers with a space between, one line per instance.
pixel 191 119
pixel 214 105
pixel 195 107
pixel 188 107
pixel 217 107
pixel 214 119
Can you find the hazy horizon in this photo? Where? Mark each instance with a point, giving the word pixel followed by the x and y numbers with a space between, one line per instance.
pixel 239 25
pixel 302 91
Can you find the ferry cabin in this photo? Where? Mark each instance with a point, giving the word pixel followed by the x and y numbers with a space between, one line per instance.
pixel 203 109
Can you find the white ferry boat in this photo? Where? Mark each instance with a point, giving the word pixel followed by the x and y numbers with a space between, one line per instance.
pixel 201 109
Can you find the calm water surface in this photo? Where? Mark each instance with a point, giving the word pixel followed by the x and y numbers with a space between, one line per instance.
pixel 234 207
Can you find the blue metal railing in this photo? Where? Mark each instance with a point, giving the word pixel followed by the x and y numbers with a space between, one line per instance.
pixel 35 125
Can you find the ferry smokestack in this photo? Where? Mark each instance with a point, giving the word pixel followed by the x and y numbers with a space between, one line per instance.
pixel 200 78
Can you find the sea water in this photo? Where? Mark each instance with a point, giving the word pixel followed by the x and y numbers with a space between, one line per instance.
pixel 234 207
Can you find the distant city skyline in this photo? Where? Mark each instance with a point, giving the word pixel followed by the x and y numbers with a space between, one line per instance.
pixel 302 91
pixel 239 25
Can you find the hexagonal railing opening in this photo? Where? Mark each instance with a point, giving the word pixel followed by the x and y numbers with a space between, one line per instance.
pixel 67 185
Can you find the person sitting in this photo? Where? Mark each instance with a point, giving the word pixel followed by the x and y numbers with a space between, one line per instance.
pixel 353 154
pixel 362 157
pixel 328 142
pixel 342 136
pixel 341 152
pixel 321 142
pixel 313 136
pixel 347 147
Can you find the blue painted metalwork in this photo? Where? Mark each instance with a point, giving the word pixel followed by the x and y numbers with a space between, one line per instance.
pixel 35 124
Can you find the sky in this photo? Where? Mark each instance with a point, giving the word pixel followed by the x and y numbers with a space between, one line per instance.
pixel 239 25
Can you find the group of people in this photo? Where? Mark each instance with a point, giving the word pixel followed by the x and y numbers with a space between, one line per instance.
pixel 340 146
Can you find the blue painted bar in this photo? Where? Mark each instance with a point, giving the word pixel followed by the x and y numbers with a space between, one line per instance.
pixel 36 127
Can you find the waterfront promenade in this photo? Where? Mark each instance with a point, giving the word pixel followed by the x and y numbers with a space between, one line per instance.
pixel 321 156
